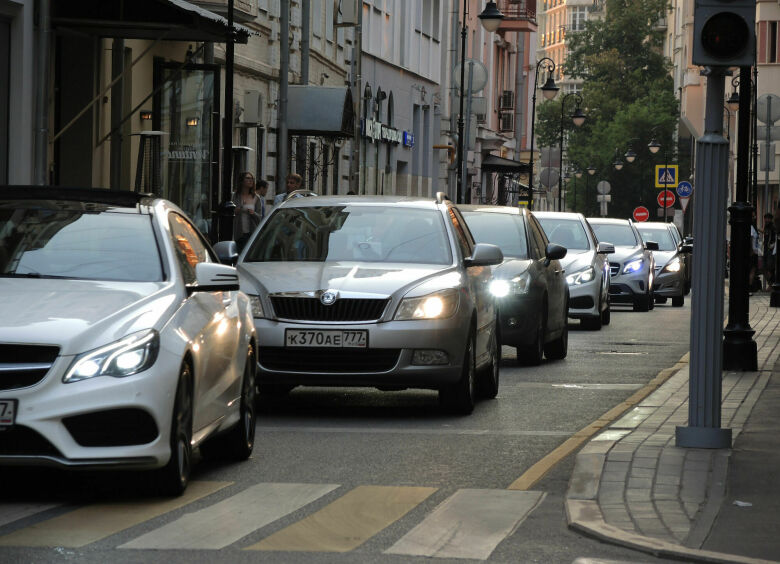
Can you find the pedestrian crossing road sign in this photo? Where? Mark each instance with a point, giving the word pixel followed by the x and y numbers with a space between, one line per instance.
pixel 666 175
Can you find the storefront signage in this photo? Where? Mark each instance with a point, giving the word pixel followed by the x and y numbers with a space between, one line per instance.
pixel 377 131
pixel 187 153
pixel 408 139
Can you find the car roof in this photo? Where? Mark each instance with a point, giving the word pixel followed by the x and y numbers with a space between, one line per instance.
pixel 653 225
pixel 609 220
pixel 114 198
pixel 487 208
pixel 561 215
pixel 351 199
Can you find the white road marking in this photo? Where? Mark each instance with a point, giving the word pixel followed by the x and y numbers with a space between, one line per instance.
pixel 10 512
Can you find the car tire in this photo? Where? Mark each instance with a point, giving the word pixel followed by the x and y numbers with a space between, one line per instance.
pixel 606 314
pixel 678 301
pixel 642 303
pixel 651 301
pixel 534 354
pixel 487 385
pixel 660 300
pixel 559 348
pixel 174 476
pixel 460 397
pixel 240 440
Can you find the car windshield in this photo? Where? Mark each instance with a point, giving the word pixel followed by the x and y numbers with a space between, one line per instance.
pixel 620 235
pixel 501 229
pixel 566 232
pixel 660 236
pixel 81 241
pixel 363 233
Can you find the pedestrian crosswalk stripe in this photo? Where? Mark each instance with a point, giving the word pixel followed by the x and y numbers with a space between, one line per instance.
pixel 229 520
pixel 470 524
pixel 349 521
pixel 10 512
pixel 95 522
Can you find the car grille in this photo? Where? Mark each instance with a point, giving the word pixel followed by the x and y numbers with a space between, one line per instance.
pixel 24 365
pixel 23 441
pixel 328 361
pixel 311 309
pixel 614 268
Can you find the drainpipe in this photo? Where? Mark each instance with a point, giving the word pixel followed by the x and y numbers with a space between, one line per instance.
pixel 301 156
pixel 117 103
pixel 42 97
pixel 284 69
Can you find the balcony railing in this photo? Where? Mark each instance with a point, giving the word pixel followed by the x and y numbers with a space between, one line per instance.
pixel 519 15
pixel 243 10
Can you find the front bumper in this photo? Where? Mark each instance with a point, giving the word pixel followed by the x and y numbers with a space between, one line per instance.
pixel 54 421
pixel 519 318
pixel 387 361
pixel 584 300
pixel 626 288
pixel 669 284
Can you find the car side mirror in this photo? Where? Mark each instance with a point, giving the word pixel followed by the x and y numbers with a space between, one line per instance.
pixel 214 277
pixel 605 248
pixel 686 248
pixel 485 254
pixel 227 252
pixel 554 252
pixel 651 246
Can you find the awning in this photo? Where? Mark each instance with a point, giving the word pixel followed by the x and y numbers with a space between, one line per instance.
pixel 320 111
pixel 494 163
pixel 174 20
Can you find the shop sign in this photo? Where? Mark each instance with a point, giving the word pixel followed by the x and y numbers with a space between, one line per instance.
pixel 186 153
pixel 408 139
pixel 377 131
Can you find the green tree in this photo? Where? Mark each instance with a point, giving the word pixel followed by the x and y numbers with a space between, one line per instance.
pixel 628 95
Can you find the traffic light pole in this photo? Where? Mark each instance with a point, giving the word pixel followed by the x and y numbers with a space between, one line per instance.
pixel 706 366
pixel 739 349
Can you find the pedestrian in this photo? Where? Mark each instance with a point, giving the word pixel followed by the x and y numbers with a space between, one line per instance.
pixel 250 207
pixel 755 250
pixel 768 250
pixel 294 182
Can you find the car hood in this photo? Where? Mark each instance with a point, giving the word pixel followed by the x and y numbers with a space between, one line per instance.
pixel 365 279
pixel 622 254
pixel 80 315
pixel 576 260
pixel 663 257
pixel 511 268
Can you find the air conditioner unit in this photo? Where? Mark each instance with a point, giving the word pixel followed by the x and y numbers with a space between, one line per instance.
pixel 253 108
pixel 506 121
pixel 507 100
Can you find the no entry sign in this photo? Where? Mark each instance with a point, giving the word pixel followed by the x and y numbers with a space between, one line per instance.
pixel 666 198
pixel 641 213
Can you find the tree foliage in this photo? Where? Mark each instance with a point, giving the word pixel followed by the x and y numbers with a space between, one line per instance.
pixel 628 96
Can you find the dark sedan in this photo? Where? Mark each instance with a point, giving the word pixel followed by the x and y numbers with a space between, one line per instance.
pixel 530 284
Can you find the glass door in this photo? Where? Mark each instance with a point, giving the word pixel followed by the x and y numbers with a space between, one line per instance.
pixel 186 110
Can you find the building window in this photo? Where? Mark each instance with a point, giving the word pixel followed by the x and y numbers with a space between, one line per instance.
pixel 767 42
pixel 772 52
pixel 578 15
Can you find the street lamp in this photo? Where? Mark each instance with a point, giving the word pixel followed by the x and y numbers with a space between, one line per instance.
pixel 578 118
pixel 549 90
pixel 491 18
pixel 591 170
pixel 618 164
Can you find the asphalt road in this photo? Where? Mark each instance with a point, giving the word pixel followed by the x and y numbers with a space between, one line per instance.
pixel 354 475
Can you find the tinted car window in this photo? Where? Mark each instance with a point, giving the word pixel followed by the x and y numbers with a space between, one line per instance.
pixel 567 232
pixel 661 236
pixel 537 234
pixel 76 242
pixel 352 233
pixel 190 249
pixel 462 233
pixel 619 235
pixel 501 229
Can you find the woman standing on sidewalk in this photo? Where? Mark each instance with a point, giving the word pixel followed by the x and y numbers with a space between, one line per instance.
pixel 250 207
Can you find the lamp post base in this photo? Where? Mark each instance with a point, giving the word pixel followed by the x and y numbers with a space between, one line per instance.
pixel 702 437
pixel 740 351
pixel 774 299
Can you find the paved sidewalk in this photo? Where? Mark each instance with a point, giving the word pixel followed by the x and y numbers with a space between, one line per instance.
pixel 632 486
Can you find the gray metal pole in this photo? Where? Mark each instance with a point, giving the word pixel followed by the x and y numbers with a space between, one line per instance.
pixel 301 156
pixel 706 365
pixel 284 70
pixel 466 134
pixel 41 166
pixel 769 125
pixel 117 102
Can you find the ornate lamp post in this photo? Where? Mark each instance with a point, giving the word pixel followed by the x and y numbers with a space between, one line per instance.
pixel 591 170
pixel 578 118
pixel 577 174
pixel 491 18
pixel 549 90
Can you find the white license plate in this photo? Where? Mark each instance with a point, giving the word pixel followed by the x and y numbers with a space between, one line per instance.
pixel 325 338
pixel 7 412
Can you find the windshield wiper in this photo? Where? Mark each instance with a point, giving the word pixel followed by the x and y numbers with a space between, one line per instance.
pixel 29 275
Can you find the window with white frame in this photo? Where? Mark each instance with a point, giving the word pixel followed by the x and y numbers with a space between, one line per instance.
pixel 577 17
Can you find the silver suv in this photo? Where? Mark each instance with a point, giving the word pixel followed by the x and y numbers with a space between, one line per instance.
pixel 381 291
pixel 632 266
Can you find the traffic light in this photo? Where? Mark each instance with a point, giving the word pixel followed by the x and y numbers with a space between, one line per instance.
pixel 724 33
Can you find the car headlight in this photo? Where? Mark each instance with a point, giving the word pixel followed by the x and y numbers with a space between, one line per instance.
pixel 581 276
pixel 673 265
pixel 633 266
pixel 501 288
pixel 131 355
pixel 257 306
pixel 438 305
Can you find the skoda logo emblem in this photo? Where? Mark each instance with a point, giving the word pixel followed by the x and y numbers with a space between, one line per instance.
pixel 328 297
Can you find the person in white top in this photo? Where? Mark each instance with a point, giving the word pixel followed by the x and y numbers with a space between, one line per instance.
pixel 250 207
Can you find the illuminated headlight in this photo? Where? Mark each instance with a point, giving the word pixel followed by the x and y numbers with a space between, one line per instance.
pixel 673 265
pixel 581 277
pixel 518 285
pixel 633 266
pixel 257 306
pixel 131 355
pixel 438 305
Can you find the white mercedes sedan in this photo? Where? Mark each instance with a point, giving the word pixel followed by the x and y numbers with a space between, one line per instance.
pixel 124 343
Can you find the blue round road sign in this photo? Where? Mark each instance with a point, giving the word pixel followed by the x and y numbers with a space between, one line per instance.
pixel 684 189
